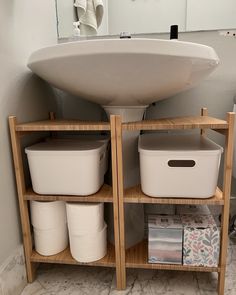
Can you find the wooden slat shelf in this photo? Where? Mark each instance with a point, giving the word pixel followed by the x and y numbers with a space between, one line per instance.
pixel 178 123
pixel 65 257
pixel 137 257
pixel 103 195
pixel 135 195
pixel 62 125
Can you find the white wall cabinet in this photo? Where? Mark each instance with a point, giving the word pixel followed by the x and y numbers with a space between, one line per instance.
pixel 210 14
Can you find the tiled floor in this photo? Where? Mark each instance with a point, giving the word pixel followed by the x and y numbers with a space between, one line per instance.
pixel 68 280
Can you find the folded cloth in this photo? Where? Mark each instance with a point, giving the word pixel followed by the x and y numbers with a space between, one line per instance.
pixel 90 13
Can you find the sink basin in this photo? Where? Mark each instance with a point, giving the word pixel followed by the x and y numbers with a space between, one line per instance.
pixel 124 76
pixel 124 72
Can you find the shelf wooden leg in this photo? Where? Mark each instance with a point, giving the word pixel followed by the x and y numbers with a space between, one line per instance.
pixel 24 212
pixel 115 202
pixel 121 198
pixel 228 159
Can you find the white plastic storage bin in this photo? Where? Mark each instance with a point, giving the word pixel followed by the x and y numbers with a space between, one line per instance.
pixel 49 226
pixel 182 166
pixel 68 167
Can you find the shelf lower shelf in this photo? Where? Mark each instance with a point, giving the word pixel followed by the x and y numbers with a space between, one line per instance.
pixel 65 257
pixel 103 195
pixel 137 257
pixel 135 195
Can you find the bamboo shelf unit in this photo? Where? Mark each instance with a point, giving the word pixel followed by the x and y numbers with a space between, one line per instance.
pixel 106 194
pixel 137 256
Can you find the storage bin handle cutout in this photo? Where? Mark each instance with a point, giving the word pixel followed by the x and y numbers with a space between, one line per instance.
pixel 181 163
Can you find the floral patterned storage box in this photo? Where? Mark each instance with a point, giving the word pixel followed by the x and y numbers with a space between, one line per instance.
pixel 201 240
pixel 165 239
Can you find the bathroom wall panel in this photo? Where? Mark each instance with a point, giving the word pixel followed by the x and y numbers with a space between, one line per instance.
pixel 145 16
pixel 25 26
pixel 210 14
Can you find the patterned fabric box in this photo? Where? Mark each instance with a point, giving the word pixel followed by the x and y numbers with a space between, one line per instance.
pixel 201 240
pixel 165 239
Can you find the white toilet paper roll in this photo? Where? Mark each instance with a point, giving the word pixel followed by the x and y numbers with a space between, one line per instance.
pixel 52 241
pixel 47 215
pixel 89 248
pixel 85 218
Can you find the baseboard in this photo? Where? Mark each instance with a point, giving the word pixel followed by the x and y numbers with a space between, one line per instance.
pixel 12 273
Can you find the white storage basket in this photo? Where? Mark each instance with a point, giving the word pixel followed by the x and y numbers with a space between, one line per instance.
pixel 67 167
pixel 182 166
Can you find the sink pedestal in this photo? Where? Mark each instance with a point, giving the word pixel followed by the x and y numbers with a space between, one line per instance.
pixel 134 213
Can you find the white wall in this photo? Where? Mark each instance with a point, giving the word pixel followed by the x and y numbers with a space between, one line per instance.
pixel 139 16
pixel 24 26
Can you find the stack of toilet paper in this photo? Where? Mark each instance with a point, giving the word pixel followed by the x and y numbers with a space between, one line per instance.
pixel 87 231
pixel 50 226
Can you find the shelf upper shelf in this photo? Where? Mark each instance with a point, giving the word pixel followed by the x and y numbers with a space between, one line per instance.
pixel 135 195
pixel 65 257
pixel 63 125
pixel 178 123
pixel 137 257
pixel 103 195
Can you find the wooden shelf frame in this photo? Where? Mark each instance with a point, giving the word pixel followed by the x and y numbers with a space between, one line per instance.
pixel 136 257
pixel 106 193
pixel 135 195
pixel 65 257
pixel 117 256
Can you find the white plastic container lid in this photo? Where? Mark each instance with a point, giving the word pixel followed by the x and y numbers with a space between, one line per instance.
pixel 153 143
pixel 71 146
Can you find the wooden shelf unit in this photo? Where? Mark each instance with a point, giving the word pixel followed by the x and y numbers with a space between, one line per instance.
pixel 136 257
pixel 106 193
pixel 118 257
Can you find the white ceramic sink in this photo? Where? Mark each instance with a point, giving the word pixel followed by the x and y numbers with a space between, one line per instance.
pixel 124 72
pixel 124 76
